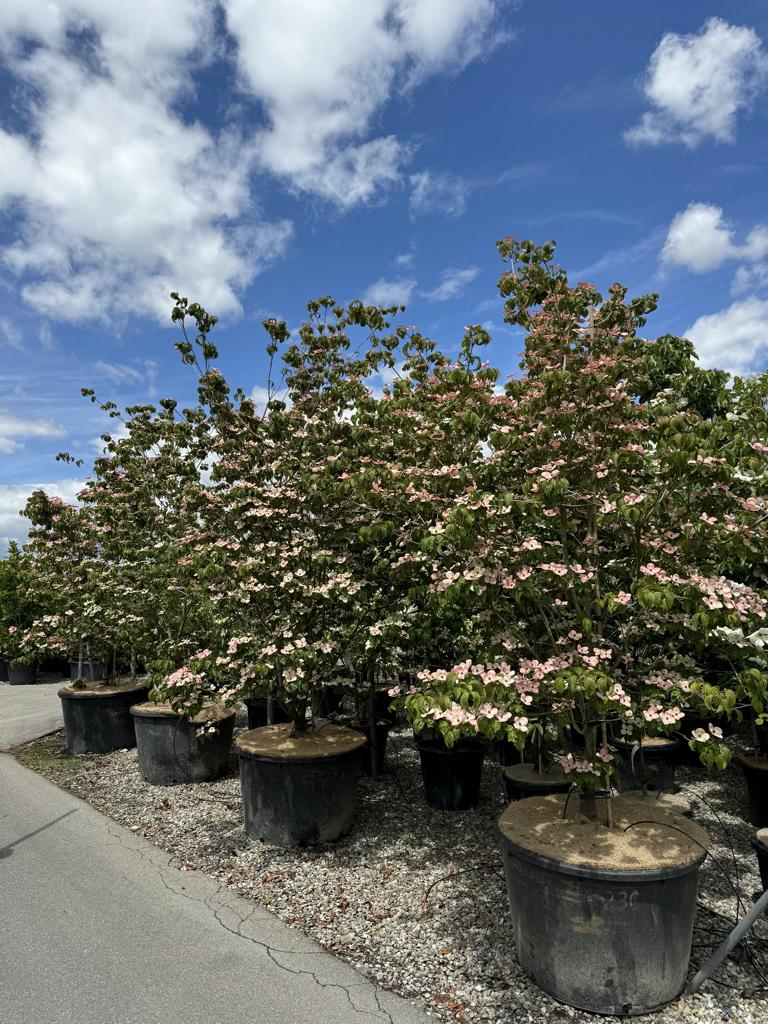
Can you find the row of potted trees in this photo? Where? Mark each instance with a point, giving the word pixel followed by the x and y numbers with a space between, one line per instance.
pixel 567 568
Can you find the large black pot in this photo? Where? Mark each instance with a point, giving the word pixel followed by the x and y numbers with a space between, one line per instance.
pixel 451 776
pixel 761 849
pixel 504 752
pixel 88 676
pixel 99 720
pixel 299 791
pixel 607 941
pixel 3 670
pixel 56 667
pixel 653 764
pixel 382 700
pixel 761 732
pixel 329 700
pixel 523 780
pixel 382 734
pixel 21 675
pixel 257 712
pixel 756 773
pixel 171 751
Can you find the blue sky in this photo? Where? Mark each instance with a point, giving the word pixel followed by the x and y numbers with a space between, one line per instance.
pixel 256 153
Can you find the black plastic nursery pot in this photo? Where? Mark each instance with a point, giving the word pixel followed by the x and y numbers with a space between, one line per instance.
pixel 761 850
pixel 97 719
pixel 652 765
pixel 98 670
pixel 21 675
pixel 299 790
pixel 382 701
pixel 170 749
pixel 523 780
pixel 451 776
pixel 382 735
pixel 329 701
pixel 756 774
pixel 504 753
pixel 606 940
pixel 257 712
pixel 55 666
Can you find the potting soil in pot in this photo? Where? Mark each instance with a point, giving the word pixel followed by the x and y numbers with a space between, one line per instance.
pixel 602 917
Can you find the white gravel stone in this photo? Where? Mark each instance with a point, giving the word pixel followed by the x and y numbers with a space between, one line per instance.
pixel 415 898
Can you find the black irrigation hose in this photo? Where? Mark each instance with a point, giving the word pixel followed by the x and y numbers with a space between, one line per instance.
pixel 464 871
pixel 757 964
pixel 666 824
pixel 758 969
pixel 727 835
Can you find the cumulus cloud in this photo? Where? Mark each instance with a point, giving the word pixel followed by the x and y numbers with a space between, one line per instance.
pixel 14 430
pixel 13 498
pixel 122 199
pixel 389 293
pixel 698 83
pixel 700 239
pixel 323 69
pixel 452 283
pixel 438 193
pixel 735 339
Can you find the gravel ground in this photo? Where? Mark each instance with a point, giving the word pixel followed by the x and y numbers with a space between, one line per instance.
pixel 415 898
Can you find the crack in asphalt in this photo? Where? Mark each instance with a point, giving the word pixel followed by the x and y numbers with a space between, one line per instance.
pixel 271 951
pixel 166 863
pixel 163 862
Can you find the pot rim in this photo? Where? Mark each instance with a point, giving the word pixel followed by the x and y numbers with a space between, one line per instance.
pixel 595 873
pixel 302 759
pixel 66 693
pixel 465 747
pixel 137 712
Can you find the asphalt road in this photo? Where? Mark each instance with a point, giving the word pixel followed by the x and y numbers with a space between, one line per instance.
pixel 27 712
pixel 97 928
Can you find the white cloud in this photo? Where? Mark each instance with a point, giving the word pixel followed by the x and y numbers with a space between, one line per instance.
pixel 12 335
pixel 118 373
pixel 698 83
pixel 389 293
pixel 13 498
pixel 121 199
pixel 700 238
pixel 735 339
pixel 260 395
pixel 452 283
pixel 323 69
pixel 438 193
pixel 116 429
pixel 357 174
pixel 750 279
pixel 15 429
pixel 46 336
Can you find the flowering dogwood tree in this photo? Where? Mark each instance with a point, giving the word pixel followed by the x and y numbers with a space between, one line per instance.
pixel 111 565
pixel 593 553
pixel 286 548
pixel 64 561
pixel 20 604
